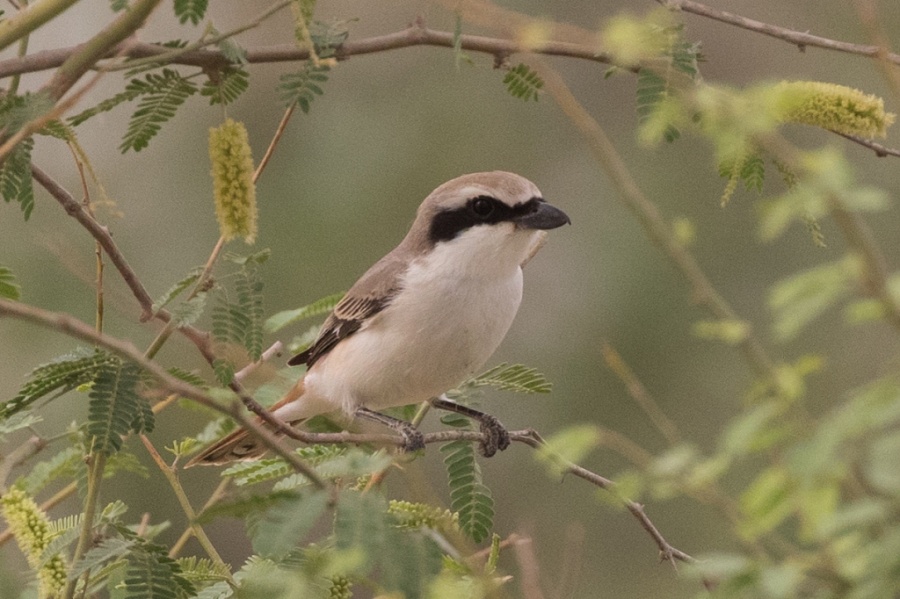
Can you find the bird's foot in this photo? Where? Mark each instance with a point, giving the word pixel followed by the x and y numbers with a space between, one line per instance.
pixel 413 439
pixel 496 437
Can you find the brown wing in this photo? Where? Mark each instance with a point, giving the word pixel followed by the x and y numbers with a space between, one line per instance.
pixel 369 296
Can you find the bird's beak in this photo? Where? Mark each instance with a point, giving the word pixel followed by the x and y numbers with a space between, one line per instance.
pixel 545 217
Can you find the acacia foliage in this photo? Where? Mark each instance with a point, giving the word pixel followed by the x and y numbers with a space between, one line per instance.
pixel 816 517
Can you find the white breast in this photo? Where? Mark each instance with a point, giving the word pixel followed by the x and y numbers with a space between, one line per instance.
pixel 452 313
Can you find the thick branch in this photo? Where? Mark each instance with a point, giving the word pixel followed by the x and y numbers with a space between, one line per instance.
pixel 29 19
pixel 798 38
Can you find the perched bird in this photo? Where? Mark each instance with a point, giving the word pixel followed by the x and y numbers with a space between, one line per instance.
pixel 425 317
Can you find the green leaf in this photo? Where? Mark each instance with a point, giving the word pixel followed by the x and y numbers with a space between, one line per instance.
pixel 225 86
pixel 190 10
pixel 249 289
pixel 767 502
pixel 18 422
pixel 61 375
pixel 151 574
pixel 106 550
pixel 245 506
pixel 360 523
pixel 8 287
pixel 468 496
pixel 115 407
pixel 176 289
pixel 189 311
pixel 279 320
pixel 62 465
pixel 302 87
pixel 286 524
pixel 327 37
pixel 652 90
pixel 15 177
pixel 523 83
pixel 571 444
pixel 731 331
pixel 803 297
pixel 161 95
pixel 515 377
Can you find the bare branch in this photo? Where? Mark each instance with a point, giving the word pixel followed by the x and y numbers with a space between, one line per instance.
pixel 79 330
pixel 798 38
pixel 415 35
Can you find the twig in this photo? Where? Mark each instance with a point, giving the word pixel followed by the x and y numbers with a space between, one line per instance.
pixel 798 38
pixel 415 35
pixel 186 506
pixel 655 226
pixel 639 394
pixel 880 150
pixel 21 453
pixel 76 328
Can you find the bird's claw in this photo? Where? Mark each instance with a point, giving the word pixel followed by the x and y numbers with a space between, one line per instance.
pixel 413 439
pixel 496 437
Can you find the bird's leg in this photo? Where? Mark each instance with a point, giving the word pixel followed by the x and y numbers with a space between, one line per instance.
pixel 495 434
pixel 412 438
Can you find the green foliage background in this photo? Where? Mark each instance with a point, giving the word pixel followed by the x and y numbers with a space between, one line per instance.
pixel 342 189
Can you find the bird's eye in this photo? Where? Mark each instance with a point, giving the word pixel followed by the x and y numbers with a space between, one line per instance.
pixel 482 207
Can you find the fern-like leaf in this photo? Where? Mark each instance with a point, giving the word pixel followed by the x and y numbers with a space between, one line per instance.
pixel 152 574
pixel 8 287
pixel 15 177
pixel 107 550
pixel 61 375
pixel 279 320
pixel 226 86
pixel 115 407
pixel 150 85
pixel 190 10
pixel 515 377
pixel 176 289
pixel 753 173
pixel 201 570
pixel 18 422
pixel 302 87
pixel 283 526
pixel 328 37
pixel 165 92
pixel 249 289
pixel 360 523
pixel 468 495
pixel 652 89
pixel 523 82
pixel 62 465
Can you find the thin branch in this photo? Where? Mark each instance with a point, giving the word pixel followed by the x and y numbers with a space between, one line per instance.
pixel 414 35
pixel 79 330
pixel 655 226
pixel 81 61
pixel 880 150
pixel 18 456
pixel 75 328
pixel 798 38
pixel 186 506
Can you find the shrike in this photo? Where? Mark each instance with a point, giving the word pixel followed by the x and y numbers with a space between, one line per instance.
pixel 425 317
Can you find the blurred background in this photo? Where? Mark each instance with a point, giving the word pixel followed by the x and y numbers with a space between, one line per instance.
pixel 343 187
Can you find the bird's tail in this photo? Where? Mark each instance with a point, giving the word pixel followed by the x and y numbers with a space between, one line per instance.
pixel 240 445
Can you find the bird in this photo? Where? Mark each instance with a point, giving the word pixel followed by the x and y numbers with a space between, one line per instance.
pixel 424 318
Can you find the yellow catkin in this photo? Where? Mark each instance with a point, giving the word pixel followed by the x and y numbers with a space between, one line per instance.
pixel 31 530
pixel 835 107
pixel 232 173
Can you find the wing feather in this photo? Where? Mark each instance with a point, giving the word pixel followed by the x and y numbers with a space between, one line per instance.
pixel 369 296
